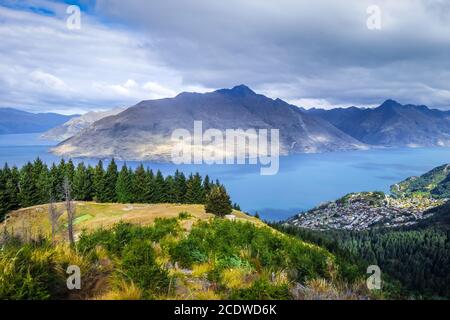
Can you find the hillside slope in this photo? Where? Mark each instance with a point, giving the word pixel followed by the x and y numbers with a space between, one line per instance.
pixel 154 252
pixel 412 201
pixel 435 183
pixel 92 216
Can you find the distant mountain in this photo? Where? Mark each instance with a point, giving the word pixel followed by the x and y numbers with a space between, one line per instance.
pixel 143 132
pixel 435 183
pixel 78 124
pixel 413 200
pixel 391 124
pixel 17 121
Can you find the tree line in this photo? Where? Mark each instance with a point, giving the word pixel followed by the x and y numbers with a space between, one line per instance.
pixel 35 183
pixel 415 258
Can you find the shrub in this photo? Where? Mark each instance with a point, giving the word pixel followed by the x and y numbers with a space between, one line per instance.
pixel 184 215
pixel 218 202
pixel 262 289
pixel 139 265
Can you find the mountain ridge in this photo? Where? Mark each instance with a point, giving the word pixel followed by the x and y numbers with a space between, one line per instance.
pixel 142 131
pixel 391 124
pixel 78 124
pixel 15 121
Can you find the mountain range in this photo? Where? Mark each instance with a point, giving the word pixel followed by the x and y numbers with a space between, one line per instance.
pixel 14 121
pixel 143 132
pixel 77 124
pixel 391 124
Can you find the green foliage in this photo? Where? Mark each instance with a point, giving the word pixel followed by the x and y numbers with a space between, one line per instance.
pixel 27 186
pixel 435 183
pixel 9 190
pixel 184 215
pixel 180 187
pixel 218 202
pixel 249 256
pixel 194 189
pixel 124 186
pixel 262 289
pixel 99 183
pixel 226 242
pixel 415 259
pixel 139 182
pixel 36 184
pixel 110 181
pixel 82 183
pixel 29 272
pixel 139 265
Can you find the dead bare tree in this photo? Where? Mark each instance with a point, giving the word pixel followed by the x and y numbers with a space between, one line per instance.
pixel 54 215
pixel 70 208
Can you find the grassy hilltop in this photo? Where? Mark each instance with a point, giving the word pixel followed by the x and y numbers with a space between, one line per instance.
pixel 166 251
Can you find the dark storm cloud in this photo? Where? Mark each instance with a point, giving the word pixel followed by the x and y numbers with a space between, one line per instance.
pixel 302 50
pixel 310 53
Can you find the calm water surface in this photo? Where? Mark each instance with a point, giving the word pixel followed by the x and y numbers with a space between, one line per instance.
pixel 303 181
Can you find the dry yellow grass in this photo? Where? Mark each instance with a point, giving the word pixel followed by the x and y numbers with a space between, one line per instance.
pixel 90 216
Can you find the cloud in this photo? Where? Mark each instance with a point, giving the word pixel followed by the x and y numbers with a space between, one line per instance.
pixel 44 66
pixel 310 53
pixel 48 80
pixel 306 49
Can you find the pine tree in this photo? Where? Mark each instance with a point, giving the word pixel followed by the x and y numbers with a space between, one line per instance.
pixel 12 187
pixel 98 182
pixel 151 194
pixel 28 195
pixel 160 191
pixel 82 183
pixel 206 186
pixel 218 202
pixel 124 186
pixel 62 170
pixel 110 182
pixel 4 199
pixel 140 185
pixel 170 189
pixel 56 179
pixel 41 181
pixel 8 190
pixel 180 187
pixel 70 170
pixel 194 190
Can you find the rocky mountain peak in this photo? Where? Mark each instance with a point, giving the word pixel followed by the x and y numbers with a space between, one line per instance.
pixel 239 91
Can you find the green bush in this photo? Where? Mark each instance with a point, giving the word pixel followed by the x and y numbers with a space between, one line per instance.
pixel 262 289
pixel 30 272
pixel 139 265
pixel 225 242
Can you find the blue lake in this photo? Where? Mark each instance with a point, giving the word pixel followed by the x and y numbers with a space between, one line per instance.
pixel 303 180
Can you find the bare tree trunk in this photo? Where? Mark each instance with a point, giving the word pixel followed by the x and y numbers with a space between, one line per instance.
pixel 54 215
pixel 70 208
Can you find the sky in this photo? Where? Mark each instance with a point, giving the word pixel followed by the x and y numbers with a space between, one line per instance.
pixel 317 53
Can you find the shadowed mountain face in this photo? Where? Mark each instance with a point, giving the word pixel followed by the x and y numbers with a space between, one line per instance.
pixel 143 131
pixel 16 121
pixel 392 124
